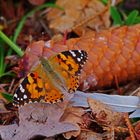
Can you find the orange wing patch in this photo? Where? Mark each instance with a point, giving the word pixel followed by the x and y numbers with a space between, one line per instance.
pixel 35 86
pixel 73 83
pixel 67 64
pixel 53 96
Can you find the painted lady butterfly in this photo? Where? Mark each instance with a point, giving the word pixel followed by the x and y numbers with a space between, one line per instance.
pixel 50 78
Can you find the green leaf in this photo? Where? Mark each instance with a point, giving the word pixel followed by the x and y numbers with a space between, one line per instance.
pixel 7 96
pixel 105 1
pixel 137 20
pixel 133 120
pixel 116 16
pixel 131 17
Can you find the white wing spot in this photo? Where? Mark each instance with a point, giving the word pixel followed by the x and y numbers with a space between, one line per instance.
pixel 21 88
pixel 73 53
pixel 78 59
pixel 15 95
pixel 25 96
pixel 79 51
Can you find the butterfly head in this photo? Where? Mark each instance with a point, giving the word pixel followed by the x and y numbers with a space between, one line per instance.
pixel 43 60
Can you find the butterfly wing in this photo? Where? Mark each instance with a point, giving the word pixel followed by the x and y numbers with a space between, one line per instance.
pixel 52 93
pixel 43 84
pixel 29 90
pixel 36 87
pixel 68 65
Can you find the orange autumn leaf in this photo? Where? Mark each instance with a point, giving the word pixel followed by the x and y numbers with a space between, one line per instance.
pixel 79 15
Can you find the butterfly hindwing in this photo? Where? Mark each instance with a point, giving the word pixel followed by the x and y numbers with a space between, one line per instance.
pixel 34 89
pixel 29 90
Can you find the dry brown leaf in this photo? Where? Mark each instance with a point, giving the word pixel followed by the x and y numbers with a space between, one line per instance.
pixel 2 107
pixel 104 114
pixel 38 119
pixel 90 13
pixel 137 130
pixel 33 52
pixel 90 135
pixel 41 48
pixel 73 115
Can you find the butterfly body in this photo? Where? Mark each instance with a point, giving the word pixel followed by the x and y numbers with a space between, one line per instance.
pixel 51 78
pixel 51 74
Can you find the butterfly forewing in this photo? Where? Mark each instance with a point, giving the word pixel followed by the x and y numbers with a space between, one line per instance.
pixel 69 65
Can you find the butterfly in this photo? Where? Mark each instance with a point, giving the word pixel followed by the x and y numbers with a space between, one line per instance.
pixel 48 81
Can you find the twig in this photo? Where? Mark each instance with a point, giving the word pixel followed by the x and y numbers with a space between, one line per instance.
pixel 117 85
pixel 135 92
pixel 130 127
pixel 46 28
pixel 11 85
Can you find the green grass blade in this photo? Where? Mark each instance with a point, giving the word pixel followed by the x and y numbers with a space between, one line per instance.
pixel 131 17
pixel 7 96
pixel 115 16
pixel 9 73
pixel 21 23
pixel 11 44
pixel 1 60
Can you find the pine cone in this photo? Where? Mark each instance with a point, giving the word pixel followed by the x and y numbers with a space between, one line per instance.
pixel 111 53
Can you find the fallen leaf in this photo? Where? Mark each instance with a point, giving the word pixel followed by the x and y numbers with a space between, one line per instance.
pixel 104 114
pixel 88 13
pixel 137 130
pixel 73 115
pixel 38 119
pixel 89 135
pixel 116 102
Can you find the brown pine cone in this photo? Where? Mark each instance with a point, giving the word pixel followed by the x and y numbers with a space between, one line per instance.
pixel 111 53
